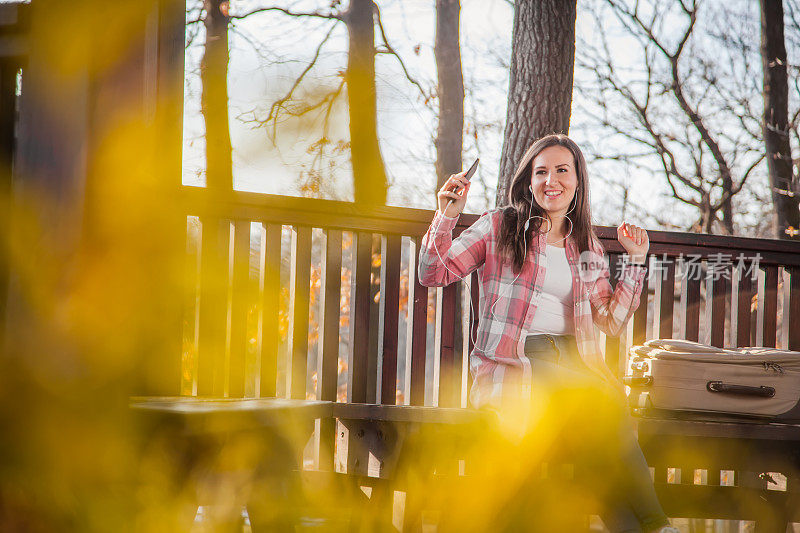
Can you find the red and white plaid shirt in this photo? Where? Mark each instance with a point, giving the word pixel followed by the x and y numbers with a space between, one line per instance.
pixel 497 363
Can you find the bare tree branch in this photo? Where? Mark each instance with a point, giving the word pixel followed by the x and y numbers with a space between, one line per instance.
pixel 277 105
pixel 712 95
pixel 315 14
pixel 390 50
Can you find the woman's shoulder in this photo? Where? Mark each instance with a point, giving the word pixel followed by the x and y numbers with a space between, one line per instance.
pixel 497 214
pixel 488 223
pixel 492 213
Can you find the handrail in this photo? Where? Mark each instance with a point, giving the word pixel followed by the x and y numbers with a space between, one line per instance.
pixel 349 216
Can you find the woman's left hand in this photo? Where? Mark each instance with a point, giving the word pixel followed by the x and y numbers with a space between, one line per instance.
pixel 635 241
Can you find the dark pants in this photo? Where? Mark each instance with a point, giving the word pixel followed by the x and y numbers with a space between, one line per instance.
pixel 595 434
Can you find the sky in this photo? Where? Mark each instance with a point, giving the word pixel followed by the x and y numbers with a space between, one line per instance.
pixel 268 50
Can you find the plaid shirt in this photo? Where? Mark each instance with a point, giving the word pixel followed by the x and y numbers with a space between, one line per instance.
pixel 497 363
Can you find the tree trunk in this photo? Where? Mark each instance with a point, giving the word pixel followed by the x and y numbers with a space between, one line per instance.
pixel 369 174
pixel 776 119
pixel 214 99
pixel 540 89
pixel 449 135
pixel 449 145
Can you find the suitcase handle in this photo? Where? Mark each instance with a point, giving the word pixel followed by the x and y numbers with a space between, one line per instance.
pixel 636 381
pixel 762 391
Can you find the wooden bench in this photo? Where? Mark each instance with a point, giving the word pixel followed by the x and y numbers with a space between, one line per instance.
pixel 724 467
pixel 225 455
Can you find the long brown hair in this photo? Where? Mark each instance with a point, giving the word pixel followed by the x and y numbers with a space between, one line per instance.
pixel 513 239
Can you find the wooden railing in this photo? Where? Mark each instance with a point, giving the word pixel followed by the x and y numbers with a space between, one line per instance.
pixel 265 299
pixel 315 299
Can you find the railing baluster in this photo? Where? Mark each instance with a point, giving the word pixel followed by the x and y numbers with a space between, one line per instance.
pixel 474 295
pixel 794 309
pixel 744 303
pixel 359 318
pixel 640 315
pixel 214 276
pixel 190 307
pixel 389 316
pixel 613 359
pixel 458 343
pixel 330 296
pixel 770 306
pixel 444 345
pixel 299 286
pixel 667 302
pixel 417 317
pixel 693 301
pixel 240 299
pixel 328 353
pixel 374 321
pixel 270 262
pixel 720 290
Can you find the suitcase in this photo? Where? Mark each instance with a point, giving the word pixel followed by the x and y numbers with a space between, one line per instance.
pixel 687 376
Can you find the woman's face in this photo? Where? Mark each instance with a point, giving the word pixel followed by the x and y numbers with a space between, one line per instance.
pixel 554 179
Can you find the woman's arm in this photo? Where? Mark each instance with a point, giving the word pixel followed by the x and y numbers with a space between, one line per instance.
pixel 612 308
pixel 443 260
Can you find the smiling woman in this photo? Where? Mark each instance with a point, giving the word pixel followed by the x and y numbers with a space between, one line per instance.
pixel 553 186
pixel 553 163
pixel 536 349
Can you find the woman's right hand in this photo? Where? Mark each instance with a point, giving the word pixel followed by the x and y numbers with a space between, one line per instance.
pixel 459 198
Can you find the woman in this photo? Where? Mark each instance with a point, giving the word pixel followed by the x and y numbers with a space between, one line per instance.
pixel 544 289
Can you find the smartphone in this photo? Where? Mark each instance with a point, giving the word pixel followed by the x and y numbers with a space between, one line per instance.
pixel 469 174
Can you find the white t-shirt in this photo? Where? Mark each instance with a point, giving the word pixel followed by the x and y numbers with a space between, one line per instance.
pixel 554 311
